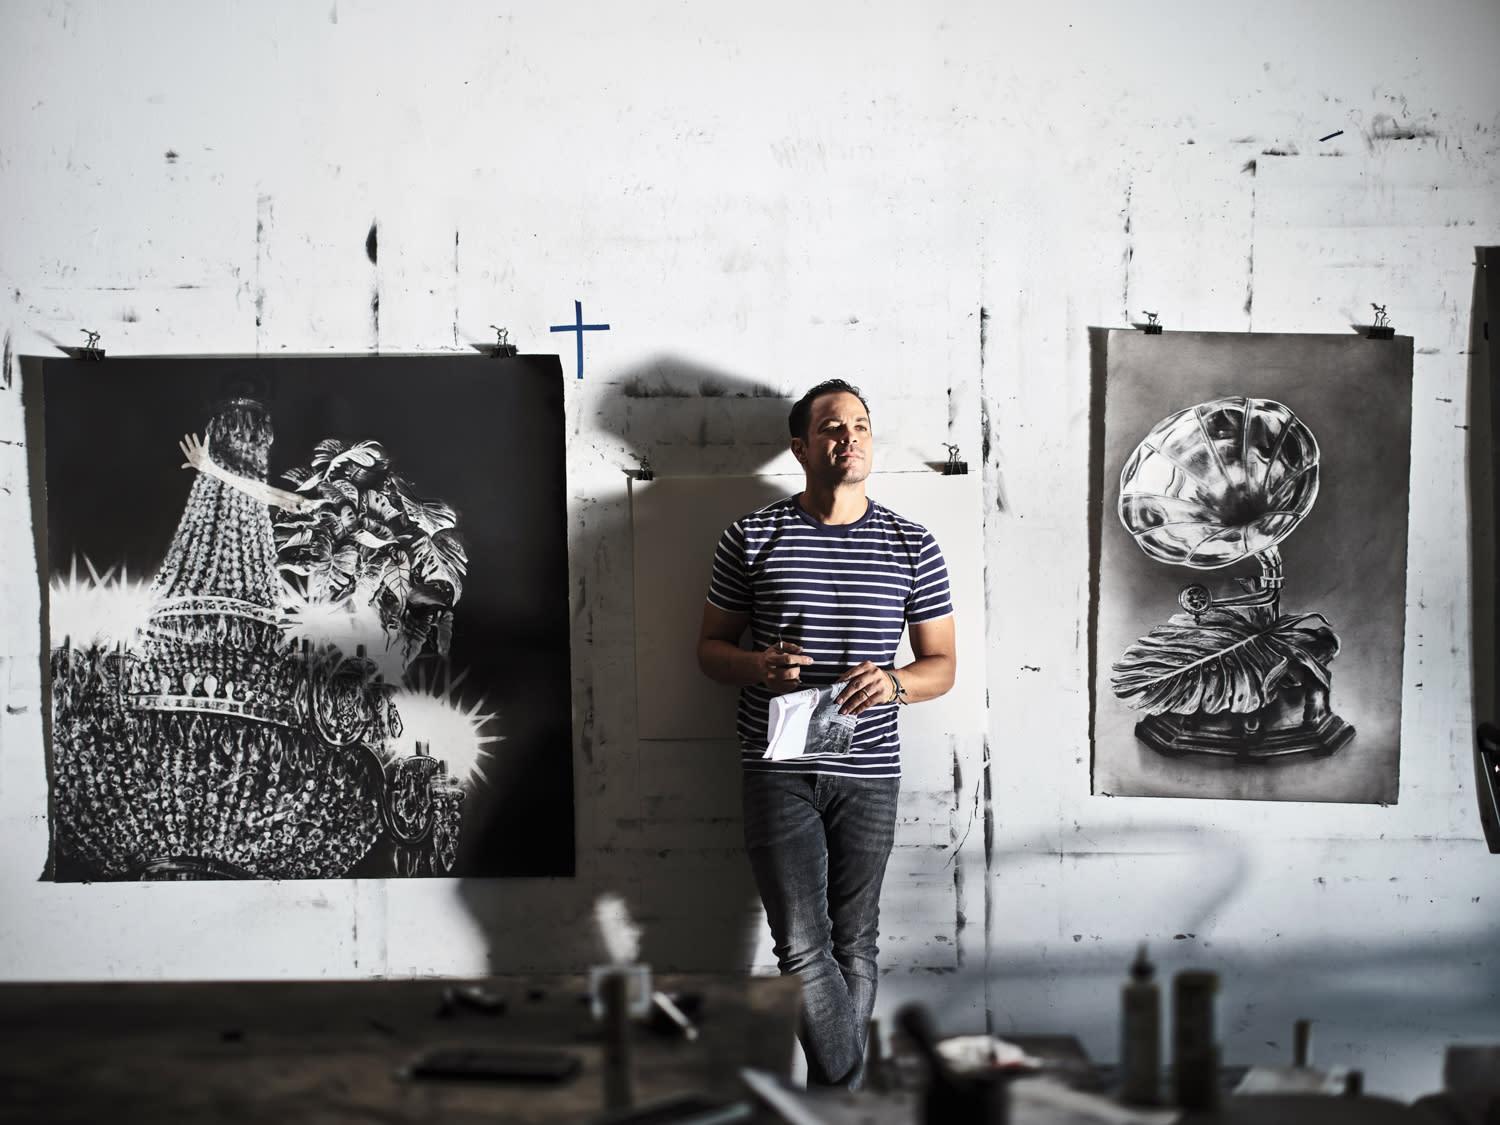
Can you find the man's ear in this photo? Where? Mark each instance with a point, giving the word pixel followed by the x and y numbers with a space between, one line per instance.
pixel 799 450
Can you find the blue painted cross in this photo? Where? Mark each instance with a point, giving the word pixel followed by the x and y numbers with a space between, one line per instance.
pixel 579 327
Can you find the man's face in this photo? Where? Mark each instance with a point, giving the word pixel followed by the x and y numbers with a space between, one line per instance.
pixel 839 448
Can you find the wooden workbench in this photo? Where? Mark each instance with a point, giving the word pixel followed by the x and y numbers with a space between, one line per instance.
pixel 327 1051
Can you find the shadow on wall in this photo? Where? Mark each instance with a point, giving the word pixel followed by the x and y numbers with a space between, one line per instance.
pixel 658 823
pixel 1065 910
pixel 691 420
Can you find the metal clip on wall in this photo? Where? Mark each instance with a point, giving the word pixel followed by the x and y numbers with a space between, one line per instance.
pixel 502 346
pixel 90 351
pixel 1382 328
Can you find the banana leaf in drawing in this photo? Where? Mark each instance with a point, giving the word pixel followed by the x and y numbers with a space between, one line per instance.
pixel 1223 661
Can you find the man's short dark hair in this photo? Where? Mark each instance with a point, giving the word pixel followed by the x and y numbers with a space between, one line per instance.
pixel 801 416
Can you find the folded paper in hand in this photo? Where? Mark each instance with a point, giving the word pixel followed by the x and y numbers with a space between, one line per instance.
pixel 808 722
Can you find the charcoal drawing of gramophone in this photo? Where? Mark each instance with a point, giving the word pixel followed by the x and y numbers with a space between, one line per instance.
pixel 1218 484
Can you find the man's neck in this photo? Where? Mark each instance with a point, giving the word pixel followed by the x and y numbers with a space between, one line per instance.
pixel 844 504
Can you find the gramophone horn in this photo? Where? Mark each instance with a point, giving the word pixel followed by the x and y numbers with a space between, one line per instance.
pixel 1219 482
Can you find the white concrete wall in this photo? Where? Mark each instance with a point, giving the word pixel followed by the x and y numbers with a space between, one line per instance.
pixel 768 194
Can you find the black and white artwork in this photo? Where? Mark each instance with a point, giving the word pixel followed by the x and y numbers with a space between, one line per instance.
pixel 1250 615
pixel 829 731
pixel 306 618
pixel 808 722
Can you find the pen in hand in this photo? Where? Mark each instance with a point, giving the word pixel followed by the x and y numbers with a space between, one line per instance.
pixel 790 677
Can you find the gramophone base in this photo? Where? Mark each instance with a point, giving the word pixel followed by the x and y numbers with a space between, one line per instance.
pixel 1225 736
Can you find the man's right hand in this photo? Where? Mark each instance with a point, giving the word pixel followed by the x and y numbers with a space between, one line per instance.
pixel 781 668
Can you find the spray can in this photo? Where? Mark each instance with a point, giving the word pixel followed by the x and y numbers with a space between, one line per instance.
pixel 1140 1033
pixel 1195 1054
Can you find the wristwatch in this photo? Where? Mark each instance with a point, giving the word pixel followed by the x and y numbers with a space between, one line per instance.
pixel 900 696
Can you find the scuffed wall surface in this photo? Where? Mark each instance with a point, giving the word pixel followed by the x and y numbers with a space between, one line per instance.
pixel 936 201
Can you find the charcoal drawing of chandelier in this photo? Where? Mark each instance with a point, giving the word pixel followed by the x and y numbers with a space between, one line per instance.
pixel 1220 483
pixel 216 745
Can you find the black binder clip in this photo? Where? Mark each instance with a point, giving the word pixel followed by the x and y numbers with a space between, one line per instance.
pixel 502 346
pixel 643 473
pixel 954 467
pixel 90 351
pixel 1151 328
pixel 1382 329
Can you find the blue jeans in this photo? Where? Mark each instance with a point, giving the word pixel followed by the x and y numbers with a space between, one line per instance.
pixel 818 846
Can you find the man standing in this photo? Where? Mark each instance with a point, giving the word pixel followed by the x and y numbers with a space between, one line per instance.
pixel 825 581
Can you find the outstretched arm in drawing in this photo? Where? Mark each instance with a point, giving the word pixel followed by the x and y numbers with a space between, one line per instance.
pixel 198 458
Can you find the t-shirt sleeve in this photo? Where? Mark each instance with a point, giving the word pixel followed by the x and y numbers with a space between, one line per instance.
pixel 729 585
pixel 930 598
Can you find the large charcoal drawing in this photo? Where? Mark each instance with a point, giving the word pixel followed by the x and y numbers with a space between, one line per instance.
pixel 307 617
pixel 1252 532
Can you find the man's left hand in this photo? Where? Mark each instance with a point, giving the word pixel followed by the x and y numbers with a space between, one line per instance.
pixel 868 686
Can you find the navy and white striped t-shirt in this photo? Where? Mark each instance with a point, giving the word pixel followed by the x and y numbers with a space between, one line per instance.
pixel 843 592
